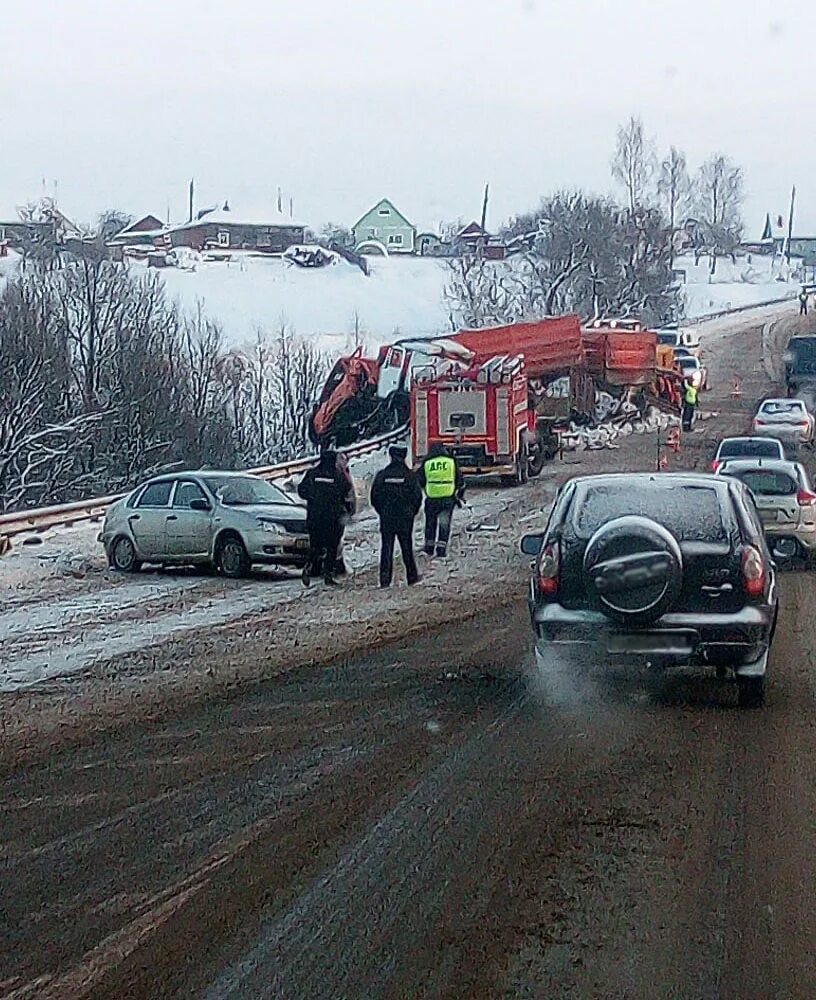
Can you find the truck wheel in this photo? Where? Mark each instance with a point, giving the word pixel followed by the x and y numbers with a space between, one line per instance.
pixel 535 463
pixel 751 692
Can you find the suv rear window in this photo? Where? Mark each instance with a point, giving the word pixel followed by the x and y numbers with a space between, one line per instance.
pixel 749 449
pixel 691 513
pixel 764 482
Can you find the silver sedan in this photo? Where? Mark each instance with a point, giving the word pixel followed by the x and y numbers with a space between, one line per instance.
pixel 227 520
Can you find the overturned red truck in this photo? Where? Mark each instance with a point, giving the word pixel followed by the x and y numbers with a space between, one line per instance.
pixel 496 396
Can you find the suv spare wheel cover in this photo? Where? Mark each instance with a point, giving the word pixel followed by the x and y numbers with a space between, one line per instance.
pixel 633 569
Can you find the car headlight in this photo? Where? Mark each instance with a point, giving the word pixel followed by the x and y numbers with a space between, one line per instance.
pixel 273 526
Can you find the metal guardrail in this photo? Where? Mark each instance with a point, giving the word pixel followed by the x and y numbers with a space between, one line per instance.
pixel 737 309
pixel 42 518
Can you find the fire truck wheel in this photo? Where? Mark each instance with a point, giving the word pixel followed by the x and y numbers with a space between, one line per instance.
pixel 535 463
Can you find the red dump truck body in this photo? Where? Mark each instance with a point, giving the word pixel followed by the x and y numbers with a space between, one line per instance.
pixel 619 358
pixel 548 346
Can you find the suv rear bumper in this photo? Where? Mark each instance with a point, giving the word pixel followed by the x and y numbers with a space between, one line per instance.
pixel 737 639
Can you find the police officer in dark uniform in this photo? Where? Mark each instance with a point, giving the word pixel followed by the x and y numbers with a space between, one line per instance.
pixel 329 495
pixel 444 485
pixel 396 496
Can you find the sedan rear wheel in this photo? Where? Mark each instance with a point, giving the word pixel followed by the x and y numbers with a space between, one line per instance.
pixel 123 556
pixel 233 560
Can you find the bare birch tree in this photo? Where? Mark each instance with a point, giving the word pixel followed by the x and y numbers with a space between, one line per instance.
pixel 633 163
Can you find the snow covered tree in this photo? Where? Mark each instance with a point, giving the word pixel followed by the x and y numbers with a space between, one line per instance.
pixel 580 253
pixel 633 163
pixel 673 187
pixel 718 197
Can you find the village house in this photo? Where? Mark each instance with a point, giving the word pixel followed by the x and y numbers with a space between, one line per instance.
pixel 221 228
pixel 432 245
pixel 475 239
pixel 142 232
pixel 38 221
pixel 384 228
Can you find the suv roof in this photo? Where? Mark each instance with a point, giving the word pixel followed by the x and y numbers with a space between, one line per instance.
pixel 681 478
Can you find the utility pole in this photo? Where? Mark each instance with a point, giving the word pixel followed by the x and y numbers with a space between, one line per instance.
pixel 790 225
pixel 484 206
pixel 192 196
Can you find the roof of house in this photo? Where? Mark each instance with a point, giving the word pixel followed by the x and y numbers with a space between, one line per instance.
pixel 472 229
pixel 225 216
pixel 390 204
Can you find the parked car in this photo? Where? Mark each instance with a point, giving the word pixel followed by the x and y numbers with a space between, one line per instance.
pixel 228 520
pixel 785 419
pixel 692 368
pixel 747 447
pixel 800 363
pixel 670 568
pixel 786 502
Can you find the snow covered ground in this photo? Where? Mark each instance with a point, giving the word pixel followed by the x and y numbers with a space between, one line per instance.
pixel 402 296
pixel 760 279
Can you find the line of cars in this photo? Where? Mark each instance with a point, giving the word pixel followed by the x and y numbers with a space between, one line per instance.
pixel 679 569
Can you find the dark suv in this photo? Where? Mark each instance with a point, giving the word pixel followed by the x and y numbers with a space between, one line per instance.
pixel 670 568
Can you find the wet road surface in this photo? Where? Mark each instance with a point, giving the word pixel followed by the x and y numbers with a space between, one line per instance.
pixel 442 819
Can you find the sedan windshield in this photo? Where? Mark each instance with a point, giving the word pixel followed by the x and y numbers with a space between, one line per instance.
pixel 239 491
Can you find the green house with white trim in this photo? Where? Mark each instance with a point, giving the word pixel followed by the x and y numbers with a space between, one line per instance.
pixel 383 227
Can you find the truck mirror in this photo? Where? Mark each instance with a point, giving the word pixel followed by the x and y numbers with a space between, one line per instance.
pixel 531 544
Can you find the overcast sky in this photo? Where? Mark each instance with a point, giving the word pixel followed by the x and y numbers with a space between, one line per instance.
pixel 341 102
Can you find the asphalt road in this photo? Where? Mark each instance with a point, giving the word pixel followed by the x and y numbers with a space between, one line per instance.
pixel 443 819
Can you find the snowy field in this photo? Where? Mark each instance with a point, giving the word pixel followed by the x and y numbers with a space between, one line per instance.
pixel 403 296
pixel 759 279
pixel 400 297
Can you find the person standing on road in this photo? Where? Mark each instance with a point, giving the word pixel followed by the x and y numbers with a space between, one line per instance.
pixel 396 496
pixel 340 568
pixel 689 404
pixel 803 303
pixel 329 496
pixel 444 486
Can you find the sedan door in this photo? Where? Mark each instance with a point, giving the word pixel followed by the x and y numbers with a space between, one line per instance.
pixel 148 519
pixel 189 531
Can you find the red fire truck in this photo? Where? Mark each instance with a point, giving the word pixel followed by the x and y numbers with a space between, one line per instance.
pixel 482 414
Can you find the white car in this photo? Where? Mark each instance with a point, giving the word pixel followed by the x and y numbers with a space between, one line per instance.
pixel 690 368
pixel 785 419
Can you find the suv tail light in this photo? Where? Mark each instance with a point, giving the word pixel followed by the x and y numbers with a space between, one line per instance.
pixel 715 465
pixel 758 422
pixel 753 571
pixel 805 498
pixel 548 570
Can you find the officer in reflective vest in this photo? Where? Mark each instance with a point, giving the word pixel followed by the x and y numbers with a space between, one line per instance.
pixel 689 405
pixel 444 488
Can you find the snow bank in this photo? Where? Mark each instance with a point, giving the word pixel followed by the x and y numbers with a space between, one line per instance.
pixel 402 296
pixel 751 280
